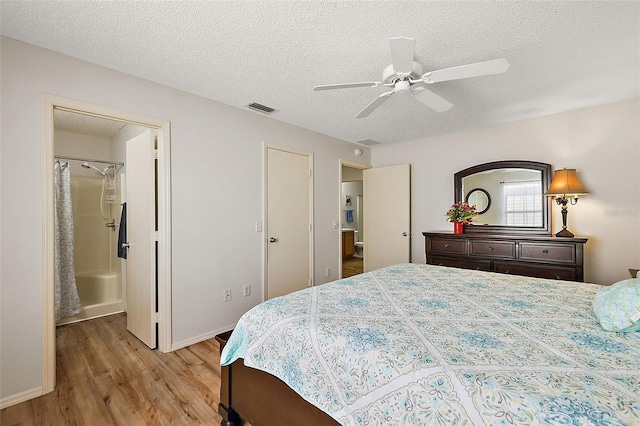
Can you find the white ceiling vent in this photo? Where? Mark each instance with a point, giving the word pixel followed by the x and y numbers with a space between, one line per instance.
pixel 368 142
pixel 260 108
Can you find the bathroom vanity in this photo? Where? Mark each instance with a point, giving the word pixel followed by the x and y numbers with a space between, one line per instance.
pixel 348 243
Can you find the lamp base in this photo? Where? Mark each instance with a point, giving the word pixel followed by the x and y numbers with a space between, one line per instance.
pixel 564 233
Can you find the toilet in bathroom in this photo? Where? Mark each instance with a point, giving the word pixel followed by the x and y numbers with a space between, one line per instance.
pixel 359 249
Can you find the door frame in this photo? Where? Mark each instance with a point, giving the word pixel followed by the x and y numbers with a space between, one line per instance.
pixel 352 165
pixel 265 220
pixel 49 103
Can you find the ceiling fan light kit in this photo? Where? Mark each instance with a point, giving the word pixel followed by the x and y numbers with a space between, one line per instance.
pixel 404 75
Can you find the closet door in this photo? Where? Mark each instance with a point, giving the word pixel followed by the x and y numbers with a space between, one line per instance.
pixel 141 235
pixel 289 207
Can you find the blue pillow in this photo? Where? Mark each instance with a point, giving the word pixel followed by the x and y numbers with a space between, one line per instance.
pixel 618 306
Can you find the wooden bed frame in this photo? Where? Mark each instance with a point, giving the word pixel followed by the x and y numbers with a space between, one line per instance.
pixel 256 397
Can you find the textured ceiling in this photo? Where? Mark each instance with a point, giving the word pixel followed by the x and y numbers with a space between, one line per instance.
pixel 86 124
pixel 564 55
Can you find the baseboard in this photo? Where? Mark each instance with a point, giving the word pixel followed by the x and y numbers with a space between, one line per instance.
pixel 201 338
pixel 20 397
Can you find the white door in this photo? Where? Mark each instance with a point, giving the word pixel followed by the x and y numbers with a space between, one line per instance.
pixel 289 204
pixel 141 227
pixel 387 224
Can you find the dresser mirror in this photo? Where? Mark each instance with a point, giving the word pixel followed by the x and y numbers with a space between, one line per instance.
pixel 509 196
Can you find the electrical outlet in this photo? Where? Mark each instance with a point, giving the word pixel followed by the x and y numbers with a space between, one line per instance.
pixel 328 271
pixel 227 295
pixel 247 290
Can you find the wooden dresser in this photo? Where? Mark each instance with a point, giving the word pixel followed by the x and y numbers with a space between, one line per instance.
pixel 534 256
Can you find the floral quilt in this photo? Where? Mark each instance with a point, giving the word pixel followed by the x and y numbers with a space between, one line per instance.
pixel 418 344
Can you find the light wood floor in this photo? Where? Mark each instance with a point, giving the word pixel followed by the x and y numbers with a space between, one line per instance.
pixel 105 376
pixel 352 266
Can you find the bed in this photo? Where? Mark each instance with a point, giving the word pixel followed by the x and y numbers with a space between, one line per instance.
pixel 419 344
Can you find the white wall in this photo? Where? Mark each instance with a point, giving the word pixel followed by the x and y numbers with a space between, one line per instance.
pixel 602 143
pixel 216 158
pixel 73 144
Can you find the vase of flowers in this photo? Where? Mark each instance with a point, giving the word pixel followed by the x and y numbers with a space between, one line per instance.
pixel 461 213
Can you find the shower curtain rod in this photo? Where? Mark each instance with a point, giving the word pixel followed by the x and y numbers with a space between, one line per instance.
pixel 65 157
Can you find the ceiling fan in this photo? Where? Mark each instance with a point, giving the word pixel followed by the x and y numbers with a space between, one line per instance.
pixel 405 76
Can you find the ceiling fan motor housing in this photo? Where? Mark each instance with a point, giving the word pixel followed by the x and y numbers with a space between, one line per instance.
pixel 402 86
pixel 389 76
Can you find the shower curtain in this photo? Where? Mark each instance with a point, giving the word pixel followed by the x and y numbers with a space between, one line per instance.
pixel 66 291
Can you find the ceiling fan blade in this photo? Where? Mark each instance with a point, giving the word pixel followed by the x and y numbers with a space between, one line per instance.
pixel 432 100
pixel 402 50
pixel 478 69
pixel 346 85
pixel 375 104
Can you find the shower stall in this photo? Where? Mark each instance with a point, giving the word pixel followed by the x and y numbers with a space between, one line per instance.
pixel 95 190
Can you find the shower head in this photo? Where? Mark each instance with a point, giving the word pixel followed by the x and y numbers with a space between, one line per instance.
pixel 91 166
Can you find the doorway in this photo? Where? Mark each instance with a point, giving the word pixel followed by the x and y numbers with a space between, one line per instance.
pixel 163 197
pixel 89 173
pixel 386 206
pixel 352 245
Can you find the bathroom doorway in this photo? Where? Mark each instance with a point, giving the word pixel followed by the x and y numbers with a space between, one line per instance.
pixel 70 137
pixel 90 169
pixel 352 244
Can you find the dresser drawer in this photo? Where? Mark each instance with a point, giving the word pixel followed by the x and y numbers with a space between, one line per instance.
pixel 450 246
pixel 497 249
pixel 555 253
pixel 535 256
pixel 461 263
pixel 538 271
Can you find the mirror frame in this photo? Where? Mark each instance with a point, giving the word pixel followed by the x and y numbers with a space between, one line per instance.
pixel 543 168
pixel 484 191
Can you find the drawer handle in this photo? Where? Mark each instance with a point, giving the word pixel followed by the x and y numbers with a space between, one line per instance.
pixel 490 248
pixel 506 272
pixel 477 268
pixel 440 264
pixel 557 277
pixel 545 251
pixel 446 245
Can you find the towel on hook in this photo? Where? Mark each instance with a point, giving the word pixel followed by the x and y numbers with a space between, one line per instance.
pixel 122 234
pixel 349 216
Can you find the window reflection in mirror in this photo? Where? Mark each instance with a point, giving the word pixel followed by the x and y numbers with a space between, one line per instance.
pixel 516 196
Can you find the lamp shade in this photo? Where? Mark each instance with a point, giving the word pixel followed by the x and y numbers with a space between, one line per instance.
pixel 565 182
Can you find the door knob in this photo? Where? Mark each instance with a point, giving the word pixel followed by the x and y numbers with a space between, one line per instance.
pixel 272 239
pixel 125 245
pixel 405 234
